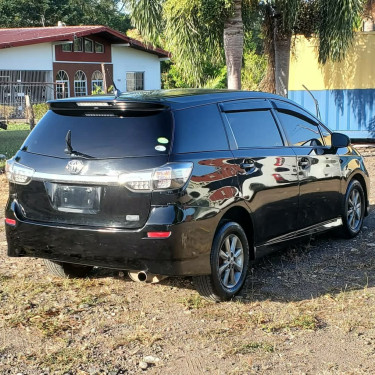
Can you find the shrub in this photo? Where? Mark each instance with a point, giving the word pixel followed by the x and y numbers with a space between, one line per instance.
pixel 6 111
pixel 40 110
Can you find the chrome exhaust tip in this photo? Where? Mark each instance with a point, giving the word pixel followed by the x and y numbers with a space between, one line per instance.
pixel 145 277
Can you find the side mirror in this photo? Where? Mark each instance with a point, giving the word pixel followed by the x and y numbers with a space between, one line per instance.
pixel 339 140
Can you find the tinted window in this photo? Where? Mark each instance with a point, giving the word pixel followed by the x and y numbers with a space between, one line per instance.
pixel 102 137
pixel 254 129
pixel 199 129
pixel 299 131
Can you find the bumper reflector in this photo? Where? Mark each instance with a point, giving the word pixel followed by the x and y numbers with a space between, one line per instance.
pixel 158 234
pixel 10 222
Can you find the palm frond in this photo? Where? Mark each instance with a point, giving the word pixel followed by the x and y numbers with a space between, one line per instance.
pixel 336 27
pixel 147 16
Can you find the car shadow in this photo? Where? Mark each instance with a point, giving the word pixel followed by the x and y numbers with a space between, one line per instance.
pixel 304 269
pixel 325 264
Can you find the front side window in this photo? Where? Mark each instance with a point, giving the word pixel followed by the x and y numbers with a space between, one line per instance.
pixel 299 131
pixel 62 84
pixel 78 45
pixel 97 81
pixel 80 83
pixel 254 129
pixel 134 81
pixel 89 45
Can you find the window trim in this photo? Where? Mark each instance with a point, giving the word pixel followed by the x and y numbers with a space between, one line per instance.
pixel 64 81
pixel 80 81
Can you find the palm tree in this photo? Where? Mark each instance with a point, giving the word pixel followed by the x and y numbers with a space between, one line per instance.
pixel 198 31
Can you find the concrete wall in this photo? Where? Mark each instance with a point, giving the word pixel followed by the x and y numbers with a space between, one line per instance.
pixel 34 57
pixel 126 59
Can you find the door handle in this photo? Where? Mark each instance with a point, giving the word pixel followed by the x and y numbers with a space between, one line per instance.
pixel 247 165
pixel 304 163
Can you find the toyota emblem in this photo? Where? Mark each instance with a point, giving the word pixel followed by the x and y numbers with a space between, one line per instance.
pixel 75 166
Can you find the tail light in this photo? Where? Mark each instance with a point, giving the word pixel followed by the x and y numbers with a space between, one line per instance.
pixel 18 173
pixel 171 176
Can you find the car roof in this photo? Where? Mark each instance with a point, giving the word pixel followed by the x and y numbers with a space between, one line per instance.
pixel 178 98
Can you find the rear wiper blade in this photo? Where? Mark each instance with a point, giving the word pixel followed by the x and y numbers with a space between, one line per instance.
pixel 69 149
pixel 68 141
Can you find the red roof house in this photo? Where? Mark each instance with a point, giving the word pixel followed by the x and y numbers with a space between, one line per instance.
pixel 62 61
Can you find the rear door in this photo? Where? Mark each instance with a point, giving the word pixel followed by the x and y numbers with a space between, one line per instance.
pixel 79 155
pixel 267 169
pixel 318 167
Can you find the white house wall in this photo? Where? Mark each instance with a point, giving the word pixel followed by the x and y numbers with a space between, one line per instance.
pixel 126 59
pixel 33 57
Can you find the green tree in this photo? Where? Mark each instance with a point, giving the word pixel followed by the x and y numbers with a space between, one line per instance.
pixel 29 13
pixel 201 32
pixel 332 22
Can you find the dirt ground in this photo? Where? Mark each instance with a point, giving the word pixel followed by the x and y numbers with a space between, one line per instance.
pixel 309 309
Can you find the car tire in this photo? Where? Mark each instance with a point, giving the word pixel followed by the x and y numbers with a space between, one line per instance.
pixel 67 270
pixel 353 210
pixel 229 263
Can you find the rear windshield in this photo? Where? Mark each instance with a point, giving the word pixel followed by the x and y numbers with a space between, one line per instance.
pixel 102 137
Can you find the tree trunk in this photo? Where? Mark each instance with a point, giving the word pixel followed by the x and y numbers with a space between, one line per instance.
pixel 282 56
pixel 233 46
pixel 30 118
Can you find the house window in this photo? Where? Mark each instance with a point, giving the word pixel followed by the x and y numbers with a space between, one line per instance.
pixel 78 45
pixel 80 83
pixel 89 45
pixel 99 47
pixel 67 47
pixel 97 81
pixel 134 81
pixel 62 84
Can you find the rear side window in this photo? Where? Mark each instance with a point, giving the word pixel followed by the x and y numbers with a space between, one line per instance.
pixel 199 129
pixel 102 137
pixel 299 131
pixel 254 129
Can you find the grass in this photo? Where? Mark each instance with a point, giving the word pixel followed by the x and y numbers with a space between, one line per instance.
pixel 252 347
pixel 193 302
pixel 11 140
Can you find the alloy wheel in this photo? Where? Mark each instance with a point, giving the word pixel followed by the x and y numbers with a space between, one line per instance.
pixel 354 213
pixel 231 261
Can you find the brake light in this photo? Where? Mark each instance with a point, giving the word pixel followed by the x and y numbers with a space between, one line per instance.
pixel 170 176
pixel 158 234
pixel 278 177
pixel 18 173
pixel 11 222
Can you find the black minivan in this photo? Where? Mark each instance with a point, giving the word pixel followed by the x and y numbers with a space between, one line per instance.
pixel 178 182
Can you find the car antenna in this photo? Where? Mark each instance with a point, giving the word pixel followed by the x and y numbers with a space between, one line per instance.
pixel 315 101
pixel 116 91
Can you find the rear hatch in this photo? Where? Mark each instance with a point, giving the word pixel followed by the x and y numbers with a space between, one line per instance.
pixel 81 153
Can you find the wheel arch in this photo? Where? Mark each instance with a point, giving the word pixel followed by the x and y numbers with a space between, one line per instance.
pixel 241 216
pixel 358 176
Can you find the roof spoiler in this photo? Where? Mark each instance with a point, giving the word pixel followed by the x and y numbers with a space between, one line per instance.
pixel 106 108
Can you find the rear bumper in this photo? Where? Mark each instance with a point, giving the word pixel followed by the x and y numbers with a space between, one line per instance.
pixel 185 252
